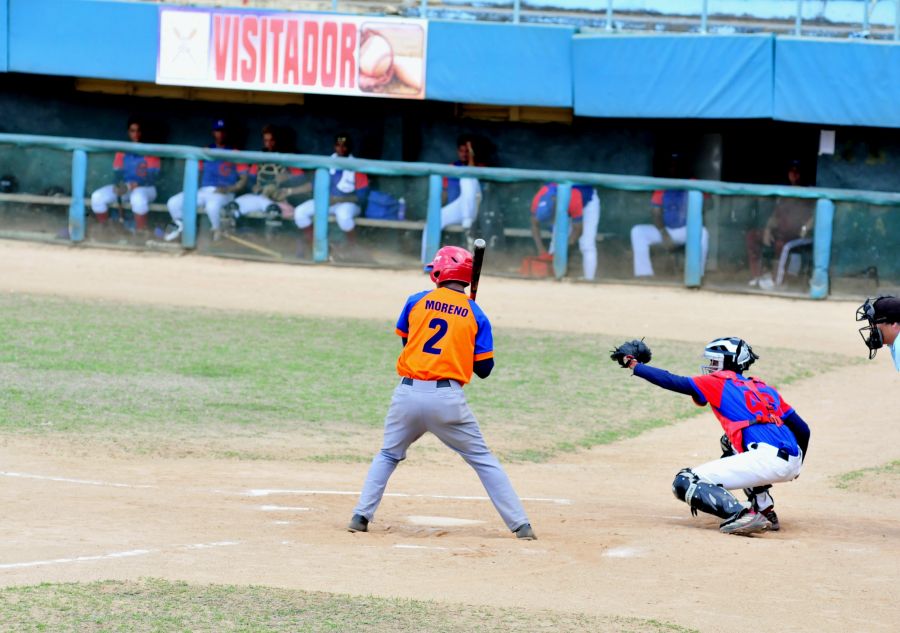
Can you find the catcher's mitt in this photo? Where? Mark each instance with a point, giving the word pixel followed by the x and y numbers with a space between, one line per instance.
pixel 635 349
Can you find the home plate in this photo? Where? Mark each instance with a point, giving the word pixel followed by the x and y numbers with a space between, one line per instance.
pixel 441 521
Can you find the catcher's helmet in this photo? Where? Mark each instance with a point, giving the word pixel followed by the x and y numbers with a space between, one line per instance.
pixel 451 263
pixel 728 352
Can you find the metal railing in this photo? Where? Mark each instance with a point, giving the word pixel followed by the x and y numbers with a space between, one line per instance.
pixel 826 198
pixel 611 15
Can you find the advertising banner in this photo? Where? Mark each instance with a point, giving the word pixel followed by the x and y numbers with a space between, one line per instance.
pixel 292 52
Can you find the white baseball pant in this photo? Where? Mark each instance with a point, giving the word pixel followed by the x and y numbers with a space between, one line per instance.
pixel 344 213
pixel 759 465
pixel 643 236
pixel 138 198
pixel 463 210
pixel 208 198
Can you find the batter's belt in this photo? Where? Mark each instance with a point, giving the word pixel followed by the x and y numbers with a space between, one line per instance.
pixel 438 383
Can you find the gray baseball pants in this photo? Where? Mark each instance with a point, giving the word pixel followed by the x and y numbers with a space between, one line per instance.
pixel 421 407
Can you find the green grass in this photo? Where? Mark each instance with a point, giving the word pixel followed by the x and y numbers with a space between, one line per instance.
pixel 159 606
pixel 238 385
pixel 880 477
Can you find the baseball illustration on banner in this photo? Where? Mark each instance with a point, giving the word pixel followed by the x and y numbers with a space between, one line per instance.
pixel 390 59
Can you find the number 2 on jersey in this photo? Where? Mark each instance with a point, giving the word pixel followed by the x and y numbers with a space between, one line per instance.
pixel 430 345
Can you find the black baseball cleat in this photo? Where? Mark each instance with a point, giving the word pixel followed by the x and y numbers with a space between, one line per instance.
pixel 358 523
pixel 525 533
pixel 772 518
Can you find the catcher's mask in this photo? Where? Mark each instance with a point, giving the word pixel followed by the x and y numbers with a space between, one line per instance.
pixel 451 263
pixel 728 352
pixel 870 333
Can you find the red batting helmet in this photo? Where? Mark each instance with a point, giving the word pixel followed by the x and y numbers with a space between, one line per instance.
pixel 451 263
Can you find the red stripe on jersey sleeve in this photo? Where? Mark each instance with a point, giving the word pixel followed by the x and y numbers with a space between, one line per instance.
pixel 484 356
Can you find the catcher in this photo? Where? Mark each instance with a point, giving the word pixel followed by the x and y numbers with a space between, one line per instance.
pixel 765 440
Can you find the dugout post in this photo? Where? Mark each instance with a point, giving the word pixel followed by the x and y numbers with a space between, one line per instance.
pixel 693 245
pixel 76 207
pixel 433 217
pixel 561 230
pixel 322 197
pixel 818 285
pixel 189 211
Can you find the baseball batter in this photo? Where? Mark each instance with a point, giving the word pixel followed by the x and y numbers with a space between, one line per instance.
pixel 883 316
pixel 135 179
pixel 446 337
pixel 765 440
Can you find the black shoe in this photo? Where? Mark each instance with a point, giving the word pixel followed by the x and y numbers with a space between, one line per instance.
pixel 358 523
pixel 525 533
pixel 773 519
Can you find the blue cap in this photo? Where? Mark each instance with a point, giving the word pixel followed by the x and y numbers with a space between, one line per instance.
pixel 219 124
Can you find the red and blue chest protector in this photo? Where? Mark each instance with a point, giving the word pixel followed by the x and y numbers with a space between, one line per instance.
pixel 748 409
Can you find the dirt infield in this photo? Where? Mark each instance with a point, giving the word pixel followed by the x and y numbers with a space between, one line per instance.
pixel 612 539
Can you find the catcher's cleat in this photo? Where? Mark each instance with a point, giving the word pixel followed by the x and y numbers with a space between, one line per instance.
pixel 772 518
pixel 525 533
pixel 747 522
pixel 358 523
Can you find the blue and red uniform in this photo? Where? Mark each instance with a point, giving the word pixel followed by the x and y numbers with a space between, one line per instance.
pixel 142 170
pixel 674 206
pixel 451 185
pixel 748 409
pixel 543 205
pixel 221 173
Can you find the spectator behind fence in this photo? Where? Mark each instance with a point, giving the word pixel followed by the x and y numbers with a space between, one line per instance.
pixel 347 191
pixel 220 180
pixel 585 216
pixel 272 183
pixel 460 196
pixel 789 226
pixel 135 180
pixel 669 226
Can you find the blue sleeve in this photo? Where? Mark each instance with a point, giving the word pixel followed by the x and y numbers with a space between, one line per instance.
pixel 484 338
pixel 800 429
pixel 662 378
pixel 402 327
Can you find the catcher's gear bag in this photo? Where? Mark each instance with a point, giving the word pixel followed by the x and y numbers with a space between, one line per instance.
pixel 635 349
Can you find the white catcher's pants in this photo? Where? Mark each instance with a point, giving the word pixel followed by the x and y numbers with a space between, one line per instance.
pixel 645 235
pixel 462 211
pixel 754 467
pixel 208 198
pixel 422 407
pixel 139 198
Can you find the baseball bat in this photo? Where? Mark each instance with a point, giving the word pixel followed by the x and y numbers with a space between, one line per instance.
pixel 477 263
pixel 251 245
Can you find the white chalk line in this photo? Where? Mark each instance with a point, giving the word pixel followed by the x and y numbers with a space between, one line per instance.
pixel 67 480
pixel 265 492
pixel 113 555
pixel 284 509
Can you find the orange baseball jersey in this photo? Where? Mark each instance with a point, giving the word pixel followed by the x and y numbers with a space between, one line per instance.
pixel 446 333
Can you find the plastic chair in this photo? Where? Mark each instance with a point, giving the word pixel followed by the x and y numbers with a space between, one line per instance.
pixel 792 248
